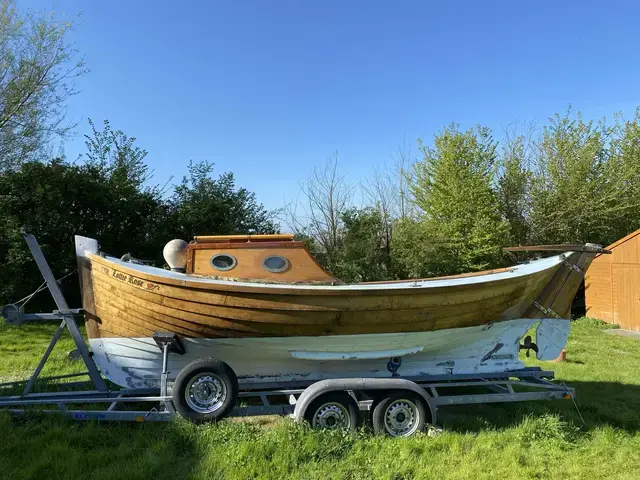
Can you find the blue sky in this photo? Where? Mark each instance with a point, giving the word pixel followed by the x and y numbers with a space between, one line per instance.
pixel 268 89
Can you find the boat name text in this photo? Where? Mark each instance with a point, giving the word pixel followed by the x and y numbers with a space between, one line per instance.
pixel 137 282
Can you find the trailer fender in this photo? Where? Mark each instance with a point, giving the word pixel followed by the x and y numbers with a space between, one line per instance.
pixel 358 384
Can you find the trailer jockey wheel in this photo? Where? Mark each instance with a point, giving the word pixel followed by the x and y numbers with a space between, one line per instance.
pixel 334 410
pixel 399 414
pixel 205 390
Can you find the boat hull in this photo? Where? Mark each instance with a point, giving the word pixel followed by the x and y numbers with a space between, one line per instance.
pixel 136 362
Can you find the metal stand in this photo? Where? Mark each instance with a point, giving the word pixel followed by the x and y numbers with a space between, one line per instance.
pixel 168 343
pixel 67 321
pixel 161 409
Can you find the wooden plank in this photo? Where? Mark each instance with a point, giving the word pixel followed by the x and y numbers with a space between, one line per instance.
pixel 549 293
pixel 562 303
pixel 224 317
pixel 626 296
pixel 460 275
pixel 561 290
pixel 598 290
pixel 557 248
pixel 277 237
pixel 243 246
pixel 628 252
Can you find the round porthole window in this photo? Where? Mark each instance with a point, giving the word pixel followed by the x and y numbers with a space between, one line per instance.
pixel 223 262
pixel 275 263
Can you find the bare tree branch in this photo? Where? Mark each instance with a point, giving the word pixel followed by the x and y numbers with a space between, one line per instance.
pixel 319 205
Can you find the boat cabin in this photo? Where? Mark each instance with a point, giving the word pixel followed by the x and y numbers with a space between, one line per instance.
pixel 276 258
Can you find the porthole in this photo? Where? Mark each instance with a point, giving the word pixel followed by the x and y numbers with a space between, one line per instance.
pixel 223 262
pixel 275 264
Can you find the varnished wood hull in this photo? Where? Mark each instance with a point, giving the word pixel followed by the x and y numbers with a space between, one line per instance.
pixel 127 300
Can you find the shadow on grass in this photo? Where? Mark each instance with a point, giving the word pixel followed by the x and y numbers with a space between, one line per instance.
pixel 34 447
pixel 600 403
pixel 576 362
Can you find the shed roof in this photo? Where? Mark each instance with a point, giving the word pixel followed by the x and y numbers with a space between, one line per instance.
pixel 623 239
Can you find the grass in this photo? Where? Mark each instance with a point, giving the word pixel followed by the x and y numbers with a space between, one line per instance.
pixel 525 440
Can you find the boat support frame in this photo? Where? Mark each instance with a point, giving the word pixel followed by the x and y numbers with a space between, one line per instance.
pixel 268 398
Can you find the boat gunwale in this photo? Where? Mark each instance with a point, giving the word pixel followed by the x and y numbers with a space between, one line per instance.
pixel 161 276
pixel 445 277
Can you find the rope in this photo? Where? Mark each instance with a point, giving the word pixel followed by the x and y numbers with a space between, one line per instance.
pixel 23 301
pixel 574 404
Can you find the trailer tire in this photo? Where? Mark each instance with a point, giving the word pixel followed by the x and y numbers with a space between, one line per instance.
pixel 206 390
pixel 333 410
pixel 399 414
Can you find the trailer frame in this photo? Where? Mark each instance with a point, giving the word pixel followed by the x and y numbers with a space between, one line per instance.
pixel 268 398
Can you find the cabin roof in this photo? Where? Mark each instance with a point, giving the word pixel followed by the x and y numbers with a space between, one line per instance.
pixel 278 237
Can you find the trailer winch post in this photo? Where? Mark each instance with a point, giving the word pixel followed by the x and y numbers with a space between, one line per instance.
pixel 67 320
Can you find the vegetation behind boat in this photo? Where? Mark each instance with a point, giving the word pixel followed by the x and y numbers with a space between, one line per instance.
pixel 447 212
pixel 450 212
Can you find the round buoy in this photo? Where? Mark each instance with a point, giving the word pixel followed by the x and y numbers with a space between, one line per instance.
pixel 175 254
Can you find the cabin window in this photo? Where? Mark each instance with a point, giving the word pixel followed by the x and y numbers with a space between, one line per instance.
pixel 275 263
pixel 223 262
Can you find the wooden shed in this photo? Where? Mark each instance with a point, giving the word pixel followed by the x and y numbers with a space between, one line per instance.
pixel 612 284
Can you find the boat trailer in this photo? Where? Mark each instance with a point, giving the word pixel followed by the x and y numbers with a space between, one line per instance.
pixel 324 403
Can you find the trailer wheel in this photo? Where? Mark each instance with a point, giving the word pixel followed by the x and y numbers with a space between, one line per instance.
pixel 334 410
pixel 399 414
pixel 205 390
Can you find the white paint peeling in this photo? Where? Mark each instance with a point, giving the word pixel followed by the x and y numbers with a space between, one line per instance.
pixel 137 361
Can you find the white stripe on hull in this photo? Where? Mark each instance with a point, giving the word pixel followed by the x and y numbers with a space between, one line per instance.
pixel 137 362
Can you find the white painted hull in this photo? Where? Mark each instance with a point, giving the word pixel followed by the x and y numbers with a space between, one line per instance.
pixel 137 362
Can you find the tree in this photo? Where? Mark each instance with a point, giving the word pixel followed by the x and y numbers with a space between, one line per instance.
pixel 205 205
pixel 514 184
pixel 136 210
pixel 105 198
pixel 318 211
pixel 414 252
pixel 404 206
pixel 114 152
pixel 572 193
pixel 454 187
pixel 57 200
pixel 386 199
pixel 37 73
pixel 364 251
pixel 624 174
pixel 108 198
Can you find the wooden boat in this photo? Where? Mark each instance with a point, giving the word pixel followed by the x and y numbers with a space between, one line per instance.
pixel 263 305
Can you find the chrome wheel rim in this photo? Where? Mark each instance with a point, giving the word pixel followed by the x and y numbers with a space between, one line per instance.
pixel 331 415
pixel 401 418
pixel 205 393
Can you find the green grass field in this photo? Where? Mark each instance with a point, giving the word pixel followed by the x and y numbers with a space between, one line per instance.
pixel 525 440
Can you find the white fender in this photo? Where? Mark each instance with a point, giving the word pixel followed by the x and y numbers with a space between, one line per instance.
pixel 551 337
